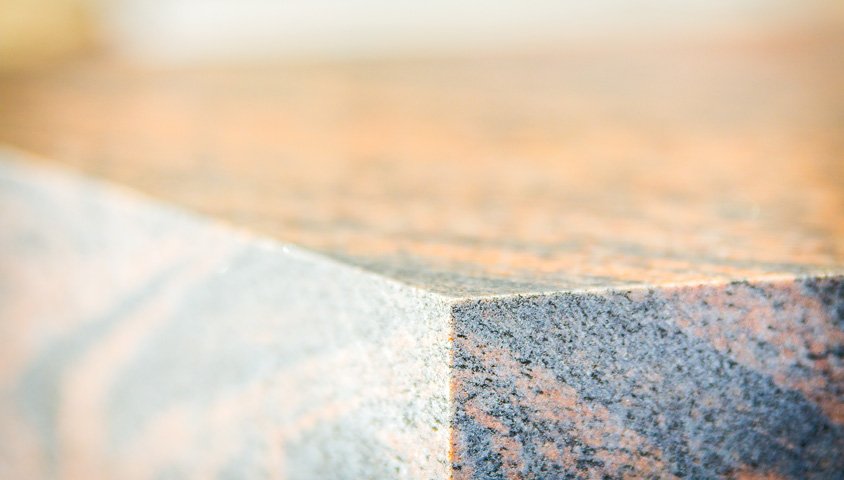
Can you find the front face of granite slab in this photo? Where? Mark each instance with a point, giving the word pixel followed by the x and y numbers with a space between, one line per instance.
pixel 139 342
pixel 487 175
pixel 744 380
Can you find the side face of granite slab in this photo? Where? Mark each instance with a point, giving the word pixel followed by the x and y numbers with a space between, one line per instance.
pixel 743 380
pixel 142 342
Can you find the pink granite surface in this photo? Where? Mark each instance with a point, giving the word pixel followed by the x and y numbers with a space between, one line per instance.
pixel 578 264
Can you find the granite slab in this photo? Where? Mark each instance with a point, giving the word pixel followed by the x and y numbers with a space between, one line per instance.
pixel 581 264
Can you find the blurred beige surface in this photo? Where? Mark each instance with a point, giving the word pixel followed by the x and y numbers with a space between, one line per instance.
pixel 35 31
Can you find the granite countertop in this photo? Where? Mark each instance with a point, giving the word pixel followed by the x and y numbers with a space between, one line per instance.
pixel 611 263
pixel 488 175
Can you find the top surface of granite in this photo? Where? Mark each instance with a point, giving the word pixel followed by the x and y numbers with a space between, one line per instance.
pixel 493 175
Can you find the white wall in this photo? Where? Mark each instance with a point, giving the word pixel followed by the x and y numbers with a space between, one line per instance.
pixel 203 30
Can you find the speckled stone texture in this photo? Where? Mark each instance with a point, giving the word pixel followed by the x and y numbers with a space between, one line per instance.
pixel 144 342
pixel 596 263
pixel 487 175
pixel 743 380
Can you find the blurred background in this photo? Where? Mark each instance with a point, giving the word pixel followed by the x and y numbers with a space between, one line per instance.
pixel 183 32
